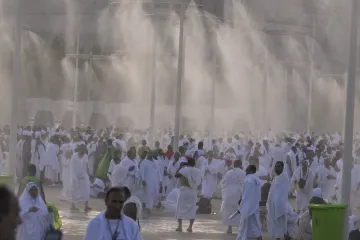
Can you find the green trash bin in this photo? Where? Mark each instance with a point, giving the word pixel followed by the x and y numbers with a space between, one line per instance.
pixel 327 221
pixel 7 180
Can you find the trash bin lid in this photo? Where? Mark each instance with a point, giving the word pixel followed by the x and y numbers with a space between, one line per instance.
pixel 327 206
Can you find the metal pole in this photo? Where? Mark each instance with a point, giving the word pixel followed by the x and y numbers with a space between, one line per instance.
pixel 286 96
pixel 76 81
pixel 213 86
pixel 265 87
pixel 349 116
pixel 153 86
pixel 180 76
pixel 90 77
pixel 16 79
pixel 89 88
pixel 311 79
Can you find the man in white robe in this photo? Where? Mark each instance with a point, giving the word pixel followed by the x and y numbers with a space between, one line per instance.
pixel 313 165
pixel 66 154
pixel 38 152
pixel 319 159
pixel 51 164
pixel 261 172
pixel 120 143
pixel 172 169
pixel 149 173
pixel 325 179
pixel 162 166
pixel 231 188
pixel 19 148
pixel 290 162
pixel 189 178
pixel 80 183
pixel 209 171
pixel 91 148
pixel 303 192
pixel 277 154
pixel 249 210
pixel 276 205
pixel 127 174
pixel 112 224
pixel 114 162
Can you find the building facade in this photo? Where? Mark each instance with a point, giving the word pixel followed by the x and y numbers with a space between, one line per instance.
pixel 51 28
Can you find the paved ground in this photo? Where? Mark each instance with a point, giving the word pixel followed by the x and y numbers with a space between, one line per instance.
pixel 161 226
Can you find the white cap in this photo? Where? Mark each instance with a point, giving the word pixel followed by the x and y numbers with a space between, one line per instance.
pixel 317 192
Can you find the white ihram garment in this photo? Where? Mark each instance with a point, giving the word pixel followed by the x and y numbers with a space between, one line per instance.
pixel 326 185
pixel 80 183
pixel 250 225
pixel 171 170
pixel 38 156
pixel 287 169
pixel 276 206
pixel 265 160
pixel 150 174
pixel 111 168
pixel 91 147
pixel 65 173
pixel 304 195
pixel 19 163
pixel 98 228
pixel 97 187
pixel 231 186
pixel 262 172
pixel 52 166
pixel 134 199
pixel 122 176
pixel 209 172
pixel 186 205
pixel 170 204
pixel 292 220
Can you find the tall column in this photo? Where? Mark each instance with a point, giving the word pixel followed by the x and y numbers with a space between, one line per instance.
pixel 15 81
pixel 153 85
pixel 74 117
pixel 180 76
pixel 349 117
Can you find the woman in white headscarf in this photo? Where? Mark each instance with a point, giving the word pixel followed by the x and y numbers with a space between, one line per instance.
pixel 34 214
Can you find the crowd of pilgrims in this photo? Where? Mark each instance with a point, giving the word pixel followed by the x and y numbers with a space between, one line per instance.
pixel 254 174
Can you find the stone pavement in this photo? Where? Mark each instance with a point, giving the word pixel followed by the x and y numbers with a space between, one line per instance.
pixel 160 226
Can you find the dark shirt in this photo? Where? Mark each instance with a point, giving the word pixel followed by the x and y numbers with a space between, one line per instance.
pixel 354 235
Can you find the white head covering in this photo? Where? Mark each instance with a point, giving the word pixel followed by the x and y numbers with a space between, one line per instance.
pixel 97 182
pixel 37 134
pixel 27 201
pixel 352 222
pixel 317 192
